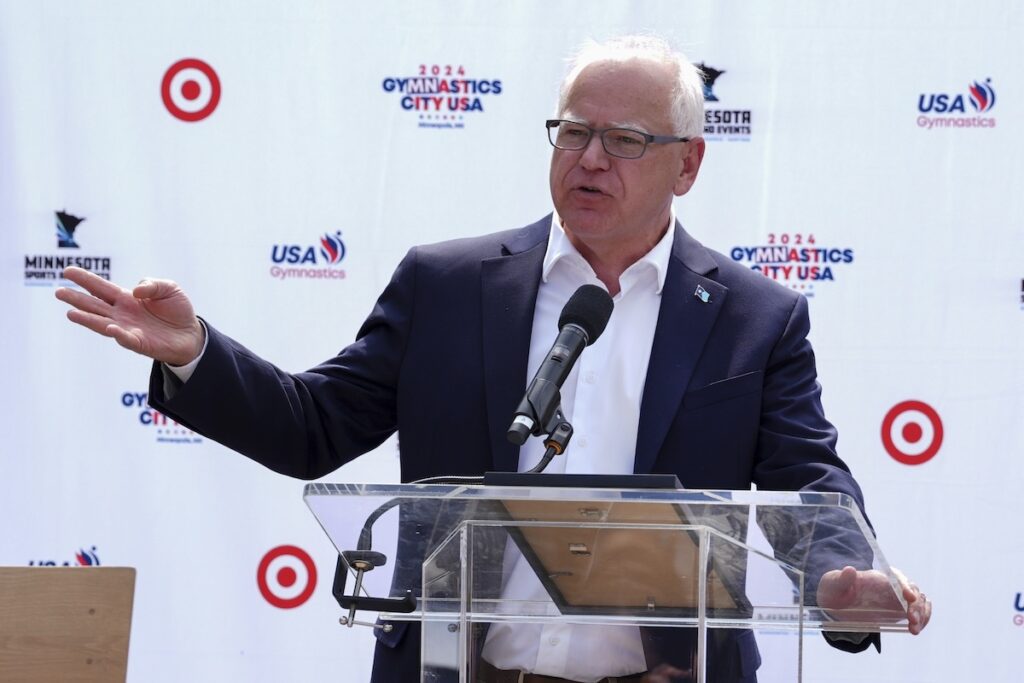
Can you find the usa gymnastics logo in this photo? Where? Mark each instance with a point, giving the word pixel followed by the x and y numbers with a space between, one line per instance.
pixel 319 261
pixel 83 558
pixel 163 428
pixel 796 260
pixel 949 110
pixel 286 576
pixel 48 269
pixel 912 432
pixel 731 125
pixel 441 96
pixel 1018 610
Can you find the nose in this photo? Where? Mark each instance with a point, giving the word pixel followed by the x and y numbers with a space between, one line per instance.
pixel 594 157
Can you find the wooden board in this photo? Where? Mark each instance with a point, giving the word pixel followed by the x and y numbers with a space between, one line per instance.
pixel 65 623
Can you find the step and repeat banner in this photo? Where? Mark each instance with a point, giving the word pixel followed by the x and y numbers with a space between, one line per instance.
pixel 277 159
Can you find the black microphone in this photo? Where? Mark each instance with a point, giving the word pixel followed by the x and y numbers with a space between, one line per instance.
pixel 582 321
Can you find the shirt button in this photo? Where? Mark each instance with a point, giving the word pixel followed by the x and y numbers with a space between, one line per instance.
pixel 582 443
pixel 553 640
pixel 590 378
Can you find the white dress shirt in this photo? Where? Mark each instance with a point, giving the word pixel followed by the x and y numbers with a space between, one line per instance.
pixel 601 398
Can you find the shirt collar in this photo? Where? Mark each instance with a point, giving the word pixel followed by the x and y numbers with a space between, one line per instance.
pixel 561 250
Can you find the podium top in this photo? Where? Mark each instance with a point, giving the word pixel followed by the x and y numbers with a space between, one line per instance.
pixel 767 571
pixel 480 492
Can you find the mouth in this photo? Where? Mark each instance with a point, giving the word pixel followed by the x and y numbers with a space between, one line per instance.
pixel 590 189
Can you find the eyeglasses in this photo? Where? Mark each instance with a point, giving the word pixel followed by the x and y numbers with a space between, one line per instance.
pixel 624 143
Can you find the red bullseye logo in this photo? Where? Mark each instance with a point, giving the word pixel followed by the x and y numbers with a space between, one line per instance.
pixel 190 90
pixel 912 432
pixel 286 576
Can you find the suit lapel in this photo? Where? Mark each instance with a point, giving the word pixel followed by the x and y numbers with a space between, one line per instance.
pixel 684 323
pixel 509 284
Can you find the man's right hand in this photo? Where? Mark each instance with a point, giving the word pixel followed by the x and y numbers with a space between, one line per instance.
pixel 155 319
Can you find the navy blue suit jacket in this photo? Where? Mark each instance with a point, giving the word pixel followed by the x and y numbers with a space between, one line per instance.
pixel 731 396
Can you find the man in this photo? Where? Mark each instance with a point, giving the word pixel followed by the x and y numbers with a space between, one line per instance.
pixel 704 370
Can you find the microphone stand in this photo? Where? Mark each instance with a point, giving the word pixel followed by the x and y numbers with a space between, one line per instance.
pixel 363 559
pixel 559 432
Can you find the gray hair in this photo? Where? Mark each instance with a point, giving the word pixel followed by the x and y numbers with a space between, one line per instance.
pixel 687 93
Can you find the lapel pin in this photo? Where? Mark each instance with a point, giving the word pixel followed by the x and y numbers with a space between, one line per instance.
pixel 702 294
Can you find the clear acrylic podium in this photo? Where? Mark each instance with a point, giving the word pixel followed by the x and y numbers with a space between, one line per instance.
pixel 710 583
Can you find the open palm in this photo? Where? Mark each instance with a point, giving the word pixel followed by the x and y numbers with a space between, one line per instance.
pixel 155 319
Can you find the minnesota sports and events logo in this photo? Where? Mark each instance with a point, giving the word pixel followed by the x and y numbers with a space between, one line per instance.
pixel 798 260
pixel 950 109
pixel 722 123
pixel 47 269
pixel 66 226
pixel 442 96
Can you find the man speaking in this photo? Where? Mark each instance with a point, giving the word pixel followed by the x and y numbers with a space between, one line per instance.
pixel 703 371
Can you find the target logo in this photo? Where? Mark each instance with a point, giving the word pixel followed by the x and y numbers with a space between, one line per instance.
pixel 190 90
pixel 912 432
pixel 286 576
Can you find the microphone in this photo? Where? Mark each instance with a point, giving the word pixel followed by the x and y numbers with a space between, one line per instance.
pixel 582 321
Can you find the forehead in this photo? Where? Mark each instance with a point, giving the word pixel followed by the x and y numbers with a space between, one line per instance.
pixel 614 93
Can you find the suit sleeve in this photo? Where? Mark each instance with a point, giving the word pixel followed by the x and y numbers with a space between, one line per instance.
pixel 307 424
pixel 797 450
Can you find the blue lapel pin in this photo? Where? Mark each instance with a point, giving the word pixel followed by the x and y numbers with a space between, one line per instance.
pixel 702 294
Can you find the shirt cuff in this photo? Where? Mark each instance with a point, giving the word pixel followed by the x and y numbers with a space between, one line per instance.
pixel 182 373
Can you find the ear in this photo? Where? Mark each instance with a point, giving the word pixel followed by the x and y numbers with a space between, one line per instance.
pixel 693 154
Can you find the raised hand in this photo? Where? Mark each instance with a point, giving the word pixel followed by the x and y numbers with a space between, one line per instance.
pixel 155 319
pixel 870 591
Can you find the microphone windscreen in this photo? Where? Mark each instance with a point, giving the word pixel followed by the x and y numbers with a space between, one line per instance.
pixel 589 307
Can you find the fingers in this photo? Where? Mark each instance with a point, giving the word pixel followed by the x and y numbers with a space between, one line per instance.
pixel 845 581
pixel 154 289
pixel 919 613
pixel 925 615
pixel 107 291
pixel 92 283
pixel 84 302
pixel 919 607
pixel 97 323
pixel 902 578
pixel 837 588
pixel 909 588
pixel 102 325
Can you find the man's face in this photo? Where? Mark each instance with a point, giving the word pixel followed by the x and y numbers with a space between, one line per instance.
pixel 614 207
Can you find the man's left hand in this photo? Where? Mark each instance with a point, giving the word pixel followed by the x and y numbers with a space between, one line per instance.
pixel 869 590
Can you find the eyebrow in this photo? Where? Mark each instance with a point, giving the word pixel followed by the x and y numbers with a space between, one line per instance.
pixel 613 124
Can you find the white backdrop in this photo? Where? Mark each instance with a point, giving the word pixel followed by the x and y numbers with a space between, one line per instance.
pixel 861 139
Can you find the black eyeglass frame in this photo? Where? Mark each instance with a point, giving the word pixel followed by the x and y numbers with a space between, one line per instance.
pixel 648 137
